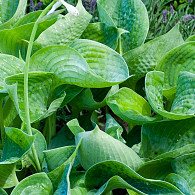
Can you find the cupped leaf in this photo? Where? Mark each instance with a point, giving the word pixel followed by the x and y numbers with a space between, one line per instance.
pixel 185 167
pixel 56 157
pixel 112 175
pixel 102 33
pixel 145 58
pixel 130 15
pixel 165 136
pixel 104 61
pixel 9 65
pixel 40 89
pixel 12 11
pixel 70 67
pixel 130 106
pixel 178 59
pixel 180 182
pixel 98 146
pixel 65 29
pixel 38 183
pixel 183 106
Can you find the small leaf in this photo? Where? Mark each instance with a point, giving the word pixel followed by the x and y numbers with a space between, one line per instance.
pixel 75 127
pixel 130 106
pixel 38 183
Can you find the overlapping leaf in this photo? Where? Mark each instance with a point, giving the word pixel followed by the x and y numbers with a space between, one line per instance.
pixel 102 33
pixel 183 104
pixel 70 67
pixel 130 106
pixel 40 89
pixel 98 146
pixel 65 30
pixel 145 58
pixel 112 175
pixel 130 15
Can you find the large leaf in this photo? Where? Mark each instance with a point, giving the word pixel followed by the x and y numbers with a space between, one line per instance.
pixel 182 58
pixel 165 136
pixel 130 106
pixel 111 175
pixel 98 146
pixel 184 102
pixel 102 33
pixel 185 167
pixel 12 11
pixel 38 183
pixel 70 67
pixel 145 58
pixel 130 15
pixel 39 89
pixel 65 29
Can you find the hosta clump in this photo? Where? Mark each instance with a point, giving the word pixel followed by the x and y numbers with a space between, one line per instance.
pixel 88 108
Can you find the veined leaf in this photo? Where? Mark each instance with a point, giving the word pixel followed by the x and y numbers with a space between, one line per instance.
pixel 102 33
pixel 38 183
pixel 57 174
pixel 65 29
pixel 2 191
pixel 98 146
pixel 130 106
pixel 10 15
pixel 185 167
pixel 183 106
pixel 192 38
pixel 17 143
pixel 165 136
pixel 40 89
pixel 9 65
pixel 56 157
pixel 112 175
pixel 15 40
pixel 130 15
pixel 145 58
pixel 181 58
pixel 70 67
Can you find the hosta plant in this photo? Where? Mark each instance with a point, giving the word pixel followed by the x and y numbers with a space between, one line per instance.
pixel 91 108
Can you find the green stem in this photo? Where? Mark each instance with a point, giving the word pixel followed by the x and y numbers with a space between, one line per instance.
pixel 2 122
pixel 120 46
pixel 26 101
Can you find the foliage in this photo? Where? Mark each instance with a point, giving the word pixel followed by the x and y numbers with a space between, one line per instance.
pixel 94 108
